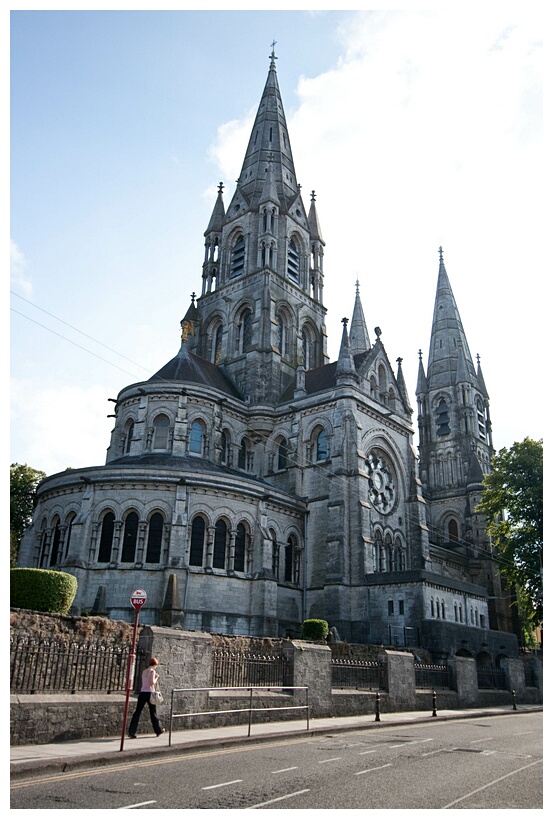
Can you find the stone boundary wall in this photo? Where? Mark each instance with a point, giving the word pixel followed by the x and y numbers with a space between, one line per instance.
pixel 185 662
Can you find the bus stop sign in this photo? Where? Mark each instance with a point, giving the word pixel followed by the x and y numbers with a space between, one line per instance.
pixel 138 598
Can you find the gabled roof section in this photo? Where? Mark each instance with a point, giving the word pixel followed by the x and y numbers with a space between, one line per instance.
pixel 192 369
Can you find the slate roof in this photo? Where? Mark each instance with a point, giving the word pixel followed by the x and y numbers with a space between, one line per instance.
pixel 188 367
pixel 181 463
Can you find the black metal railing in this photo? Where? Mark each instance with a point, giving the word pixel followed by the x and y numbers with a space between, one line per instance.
pixel 56 666
pixel 231 668
pixel 369 675
pixel 433 676
pixel 489 677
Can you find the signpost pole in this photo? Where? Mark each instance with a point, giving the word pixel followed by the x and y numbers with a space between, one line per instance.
pixel 138 598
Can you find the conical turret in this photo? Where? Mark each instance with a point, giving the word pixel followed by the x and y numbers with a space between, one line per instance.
pixel 358 336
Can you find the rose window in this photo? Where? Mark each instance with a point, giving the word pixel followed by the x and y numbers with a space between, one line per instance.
pixel 382 488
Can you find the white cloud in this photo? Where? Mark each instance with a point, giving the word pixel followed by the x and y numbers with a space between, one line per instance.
pixel 426 132
pixel 59 427
pixel 18 263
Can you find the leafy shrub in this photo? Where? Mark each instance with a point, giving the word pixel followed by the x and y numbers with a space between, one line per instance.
pixel 42 590
pixel 314 629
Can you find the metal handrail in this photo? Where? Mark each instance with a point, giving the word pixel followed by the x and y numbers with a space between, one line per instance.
pixel 249 711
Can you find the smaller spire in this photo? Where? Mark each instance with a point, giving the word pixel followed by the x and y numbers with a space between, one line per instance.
pixel 359 336
pixel 313 221
pixel 480 379
pixel 402 386
pixel 422 385
pixel 218 214
pixel 345 366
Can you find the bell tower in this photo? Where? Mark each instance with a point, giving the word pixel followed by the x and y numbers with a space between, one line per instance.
pixel 261 312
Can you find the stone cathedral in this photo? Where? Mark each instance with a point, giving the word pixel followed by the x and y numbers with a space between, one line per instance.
pixel 251 483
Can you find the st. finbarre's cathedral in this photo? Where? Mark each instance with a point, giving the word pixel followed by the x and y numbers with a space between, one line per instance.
pixel 251 483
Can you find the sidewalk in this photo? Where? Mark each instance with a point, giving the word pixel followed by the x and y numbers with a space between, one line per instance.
pixel 39 760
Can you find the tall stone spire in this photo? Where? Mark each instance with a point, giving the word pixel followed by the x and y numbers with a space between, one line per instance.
pixel 358 336
pixel 269 141
pixel 447 340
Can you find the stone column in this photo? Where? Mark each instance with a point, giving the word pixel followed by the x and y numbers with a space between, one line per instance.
pixel 400 668
pixel 312 668
pixel 466 681
pixel 514 671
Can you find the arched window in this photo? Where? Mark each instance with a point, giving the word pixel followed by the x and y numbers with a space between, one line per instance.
pixel 276 554
pixel 197 538
pixel 382 380
pixel 442 418
pixel 432 607
pixel 321 452
pixel 161 432
pixel 56 536
pixel 224 447
pixel 130 534
pixel 293 260
pixel 400 556
pixel 245 455
pixel 155 537
pixel 70 519
pixel 244 330
pixel 388 552
pixel 308 348
pixel 220 545
pixel 106 538
pixel 453 531
pixel 282 461
pixel 237 257
pixel 240 548
pixel 129 432
pixel 292 561
pixel 217 344
pixel 481 419
pixel 197 438
pixel 43 544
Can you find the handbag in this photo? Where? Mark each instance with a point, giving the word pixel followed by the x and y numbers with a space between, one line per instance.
pixel 157 697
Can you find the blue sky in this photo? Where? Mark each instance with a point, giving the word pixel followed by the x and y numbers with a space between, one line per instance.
pixel 416 129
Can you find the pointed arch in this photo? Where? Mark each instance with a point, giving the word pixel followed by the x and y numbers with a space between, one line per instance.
pixel 237 256
pixel 197 540
pixel 160 438
pixel 155 538
pixel 220 544
pixel 106 537
pixel 130 535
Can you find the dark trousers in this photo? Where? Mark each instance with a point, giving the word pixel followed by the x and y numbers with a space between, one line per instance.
pixel 143 698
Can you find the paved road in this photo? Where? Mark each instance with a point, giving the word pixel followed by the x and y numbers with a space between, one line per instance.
pixel 486 762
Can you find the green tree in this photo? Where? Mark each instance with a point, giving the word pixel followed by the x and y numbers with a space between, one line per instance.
pixel 513 505
pixel 23 483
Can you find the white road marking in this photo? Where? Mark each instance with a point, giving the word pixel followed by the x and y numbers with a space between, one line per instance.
pixel 138 805
pixel 334 759
pixel 362 753
pixel 221 785
pixel 369 770
pixel 278 799
pixel 495 781
pixel 474 741
pixel 283 770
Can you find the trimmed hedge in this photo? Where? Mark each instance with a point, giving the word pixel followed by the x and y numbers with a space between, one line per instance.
pixel 314 629
pixel 42 590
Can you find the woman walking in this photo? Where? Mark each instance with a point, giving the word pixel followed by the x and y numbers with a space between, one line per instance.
pixel 149 679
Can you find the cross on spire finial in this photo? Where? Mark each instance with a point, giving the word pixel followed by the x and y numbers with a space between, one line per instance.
pixel 441 255
pixel 193 297
pixel 272 55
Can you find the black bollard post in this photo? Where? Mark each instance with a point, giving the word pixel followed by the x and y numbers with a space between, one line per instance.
pixel 514 700
pixel 377 708
pixel 434 713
